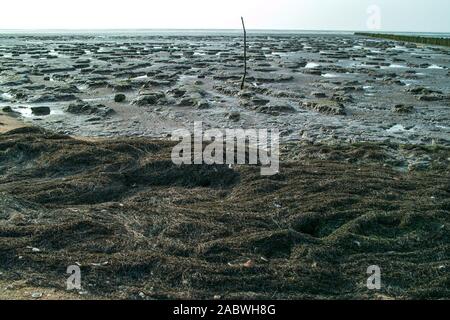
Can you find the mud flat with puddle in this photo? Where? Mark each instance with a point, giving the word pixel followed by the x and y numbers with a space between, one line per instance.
pixel 364 174
pixel 316 87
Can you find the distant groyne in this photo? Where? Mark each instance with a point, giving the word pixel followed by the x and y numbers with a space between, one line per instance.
pixel 415 39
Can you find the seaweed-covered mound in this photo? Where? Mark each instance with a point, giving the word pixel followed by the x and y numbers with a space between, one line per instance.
pixel 141 227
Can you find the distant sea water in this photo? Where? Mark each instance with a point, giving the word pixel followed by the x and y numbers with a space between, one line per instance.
pixel 201 32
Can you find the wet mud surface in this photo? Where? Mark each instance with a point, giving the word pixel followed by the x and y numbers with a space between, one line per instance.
pixel 315 87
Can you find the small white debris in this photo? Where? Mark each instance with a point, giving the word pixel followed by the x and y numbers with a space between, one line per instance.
pixel 36 295
pixel 100 264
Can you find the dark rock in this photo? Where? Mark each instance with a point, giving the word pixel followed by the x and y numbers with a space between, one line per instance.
pixel 203 104
pixel 234 116
pixel 401 108
pixel 120 97
pixel 7 109
pixel 177 92
pixel 40 111
pixel 318 95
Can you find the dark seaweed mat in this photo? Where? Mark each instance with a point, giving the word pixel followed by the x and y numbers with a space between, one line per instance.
pixel 137 223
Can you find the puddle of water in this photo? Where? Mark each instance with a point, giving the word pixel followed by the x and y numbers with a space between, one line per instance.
pixel 311 65
pixel 26 112
pixel 95 99
pixel 6 96
pixel 330 75
pixel 395 66
pixel 435 66
pixel 398 128
pixel 409 82
pixel 141 77
pixel 281 54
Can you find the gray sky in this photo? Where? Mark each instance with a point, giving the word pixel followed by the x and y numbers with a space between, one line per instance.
pixel 392 15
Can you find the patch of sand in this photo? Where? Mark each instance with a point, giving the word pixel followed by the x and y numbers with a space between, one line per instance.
pixel 19 290
pixel 8 123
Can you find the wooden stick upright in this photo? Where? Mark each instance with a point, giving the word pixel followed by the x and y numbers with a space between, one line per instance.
pixel 245 54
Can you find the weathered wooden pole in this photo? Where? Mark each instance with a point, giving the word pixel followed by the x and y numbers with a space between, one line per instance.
pixel 245 54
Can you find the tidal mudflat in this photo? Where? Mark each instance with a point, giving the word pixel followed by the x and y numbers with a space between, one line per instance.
pixel 364 175
pixel 316 87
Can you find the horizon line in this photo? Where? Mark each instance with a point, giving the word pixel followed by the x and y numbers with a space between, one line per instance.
pixel 210 29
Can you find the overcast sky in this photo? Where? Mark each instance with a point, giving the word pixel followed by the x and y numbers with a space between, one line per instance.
pixel 394 15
